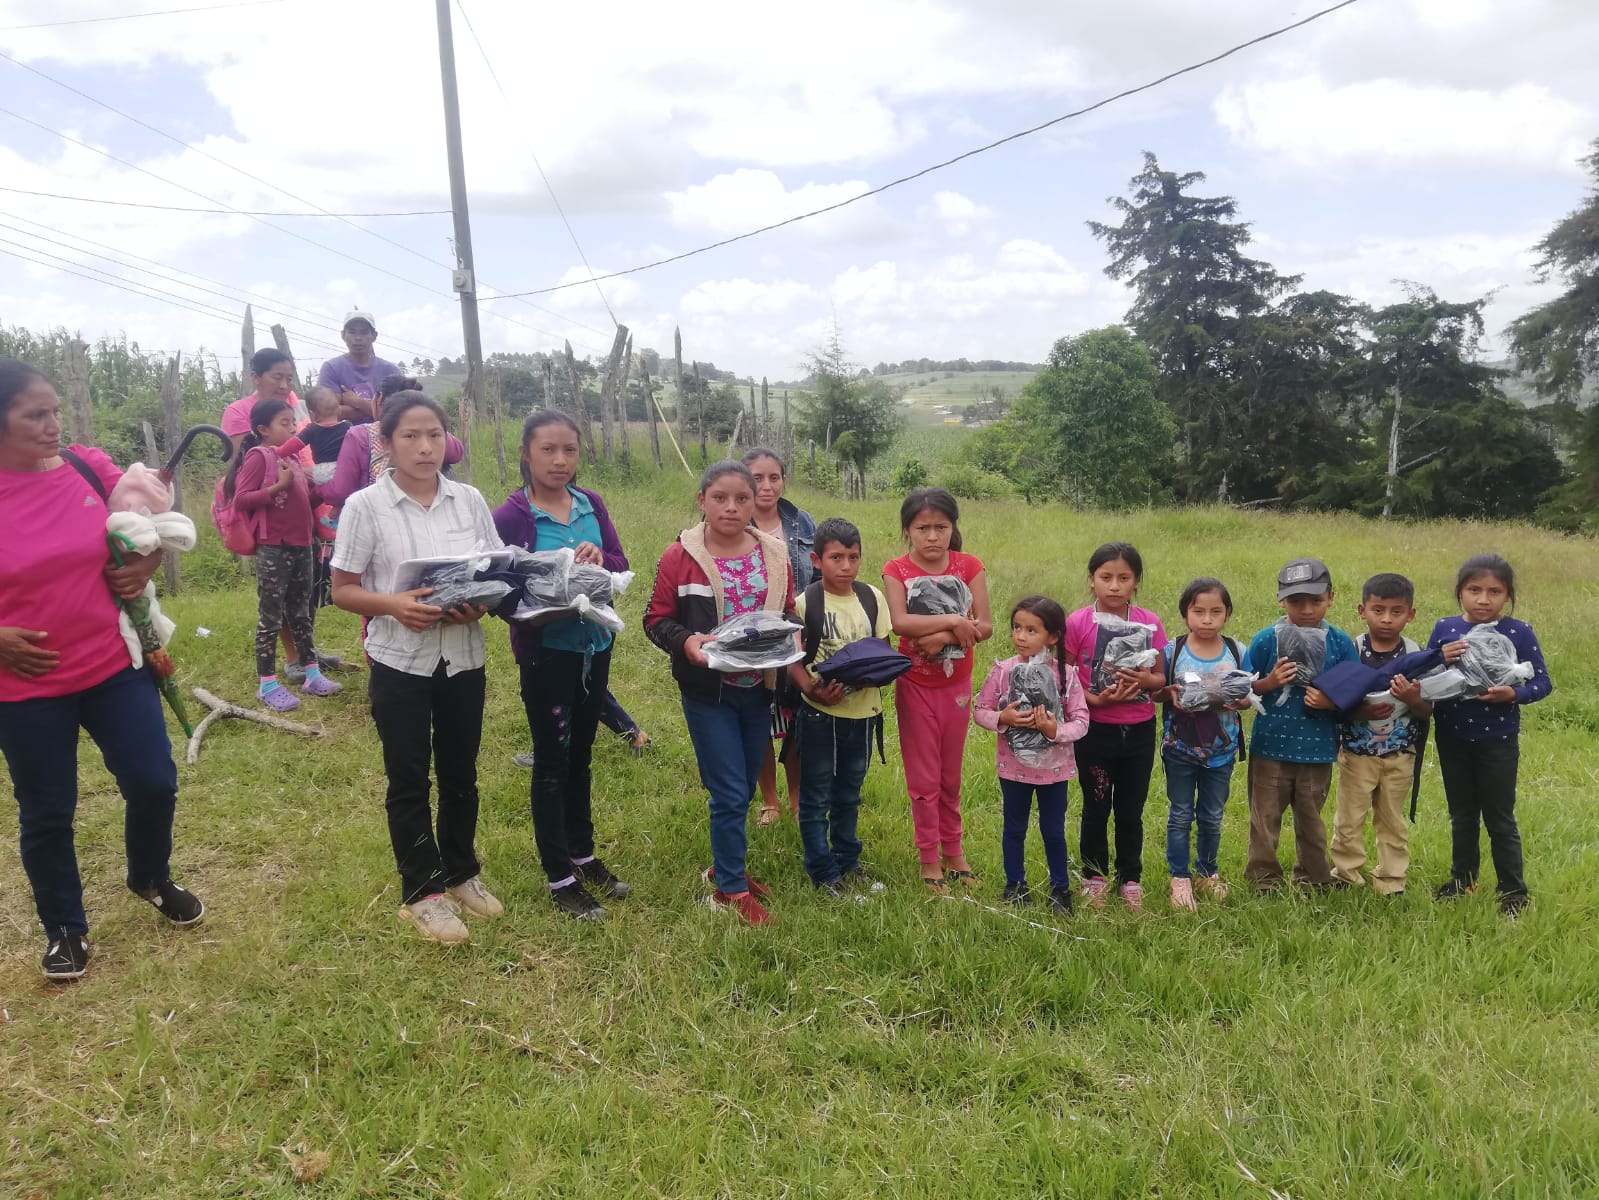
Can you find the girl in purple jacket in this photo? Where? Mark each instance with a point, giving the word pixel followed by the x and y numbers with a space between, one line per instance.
pixel 565 666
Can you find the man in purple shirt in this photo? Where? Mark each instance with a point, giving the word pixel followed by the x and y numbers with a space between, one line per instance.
pixel 355 376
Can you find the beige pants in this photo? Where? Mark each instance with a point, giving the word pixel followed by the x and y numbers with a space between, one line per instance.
pixel 1276 787
pixel 1379 786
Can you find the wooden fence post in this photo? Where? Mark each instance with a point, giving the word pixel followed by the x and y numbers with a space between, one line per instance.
pixel 171 420
pixel 788 428
pixel 766 415
pixel 621 403
pixel 280 338
pixel 699 392
pixel 677 387
pixel 549 384
pixel 649 411
pixel 813 462
pixel 608 389
pixel 247 343
pixel 75 381
pixel 579 409
pixel 498 400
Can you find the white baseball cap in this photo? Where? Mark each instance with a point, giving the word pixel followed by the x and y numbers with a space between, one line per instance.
pixel 358 315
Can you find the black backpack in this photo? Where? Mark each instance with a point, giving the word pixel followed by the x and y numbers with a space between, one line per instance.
pixel 1236 650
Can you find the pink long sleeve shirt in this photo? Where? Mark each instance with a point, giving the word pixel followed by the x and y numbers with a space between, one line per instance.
pixel 1060 763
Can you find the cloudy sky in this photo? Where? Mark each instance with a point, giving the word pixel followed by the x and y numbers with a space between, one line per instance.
pixel 1431 140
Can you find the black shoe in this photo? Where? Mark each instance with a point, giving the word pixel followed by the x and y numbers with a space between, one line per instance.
pixel 66 959
pixel 177 905
pixel 1512 903
pixel 836 888
pixel 1016 893
pixel 1454 889
pixel 577 903
pixel 597 876
pixel 1060 899
pixel 858 879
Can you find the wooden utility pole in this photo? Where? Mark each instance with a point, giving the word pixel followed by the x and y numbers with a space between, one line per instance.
pixel 613 366
pixel 171 421
pixel 464 281
pixel 499 423
pixel 649 412
pixel 247 343
pixel 579 409
pixel 699 394
pixel 677 386
pixel 75 380
pixel 621 403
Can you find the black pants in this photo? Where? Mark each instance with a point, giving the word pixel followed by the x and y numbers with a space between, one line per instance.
pixel 436 717
pixel 1114 763
pixel 1480 786
pixel 563 714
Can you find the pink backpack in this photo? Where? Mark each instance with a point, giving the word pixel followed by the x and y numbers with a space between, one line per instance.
pixel 234 526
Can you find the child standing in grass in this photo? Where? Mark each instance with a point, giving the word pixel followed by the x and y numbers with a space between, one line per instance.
pixel 721 568
pixel 1479 740
pixel 835 726
pixel 933 705
pixel 276 494
pixel 1199 746
pixel 565 667
pixel 1117 755
pixel 1037 630
pixel 427 681
pixel 1296 738
pixel 1377 751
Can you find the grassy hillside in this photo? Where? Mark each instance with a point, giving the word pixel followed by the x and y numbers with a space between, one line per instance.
pixel 932 395
pixel 1316 1045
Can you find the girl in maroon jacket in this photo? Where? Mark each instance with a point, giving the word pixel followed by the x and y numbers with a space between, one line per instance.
pixel 718 569
pixel 276 494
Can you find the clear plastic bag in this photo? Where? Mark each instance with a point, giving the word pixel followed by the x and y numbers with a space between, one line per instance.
pixel 555 587
pixel 1213 690
pixel 1033 685
pixel 1490 661
pixel 455 585
pixel 1306 648
pixel 1120 645
pixel 940 596
pixel 757 641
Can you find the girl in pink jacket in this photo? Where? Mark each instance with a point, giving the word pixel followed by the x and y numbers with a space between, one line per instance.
pixel 1036 704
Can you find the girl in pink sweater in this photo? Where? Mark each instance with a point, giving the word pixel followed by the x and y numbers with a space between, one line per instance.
pixel 1037 724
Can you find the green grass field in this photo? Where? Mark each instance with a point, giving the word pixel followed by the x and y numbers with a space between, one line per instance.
pixel 1317 1045
pixel 928 392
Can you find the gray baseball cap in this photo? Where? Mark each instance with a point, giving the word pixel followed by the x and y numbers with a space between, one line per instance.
pixel 1304 577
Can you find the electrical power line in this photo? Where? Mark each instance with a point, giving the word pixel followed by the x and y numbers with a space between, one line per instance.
pixel 231 212
pixel 230 293
pixel 171 137
pixel 165 12
pixel 533 154
pixel 939 166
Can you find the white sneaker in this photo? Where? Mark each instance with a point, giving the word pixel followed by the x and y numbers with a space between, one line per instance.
pixel 435 920
pixel 476 898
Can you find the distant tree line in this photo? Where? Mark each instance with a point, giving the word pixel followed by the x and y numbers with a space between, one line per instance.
pixel 958 366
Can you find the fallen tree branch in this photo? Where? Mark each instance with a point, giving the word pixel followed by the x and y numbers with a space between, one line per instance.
pixel 221 709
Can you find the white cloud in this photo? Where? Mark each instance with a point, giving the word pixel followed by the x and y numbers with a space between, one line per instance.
pixel 732 297
pixel 1392 123
pixel 957 214
pixel 744 199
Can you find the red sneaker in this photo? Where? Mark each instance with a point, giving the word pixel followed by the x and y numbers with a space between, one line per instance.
pixel 756 887
pixel 745 904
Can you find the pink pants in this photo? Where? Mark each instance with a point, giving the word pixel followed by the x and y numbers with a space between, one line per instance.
pixel 932 739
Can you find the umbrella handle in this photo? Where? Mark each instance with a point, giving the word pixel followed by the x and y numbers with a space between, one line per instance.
pixel 117 542
pixel 183 448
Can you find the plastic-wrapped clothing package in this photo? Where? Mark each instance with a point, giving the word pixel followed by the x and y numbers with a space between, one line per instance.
pixel 1305 647
pixel 1489 662
pixel 1121 645
pixel 1034 685
pixel 757 641
pixel 412 570
pixel 555 586
pixel 940 596
pixel 1211 690
pixel 455 585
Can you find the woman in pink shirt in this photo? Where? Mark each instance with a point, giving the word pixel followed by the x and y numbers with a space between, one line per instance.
pixel 64 666
pixel 273 374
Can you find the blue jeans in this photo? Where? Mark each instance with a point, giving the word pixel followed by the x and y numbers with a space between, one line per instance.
pixel 1018 805
pixel 1197 795
pixel 40 741
pixel 730 740
pixel 834 753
